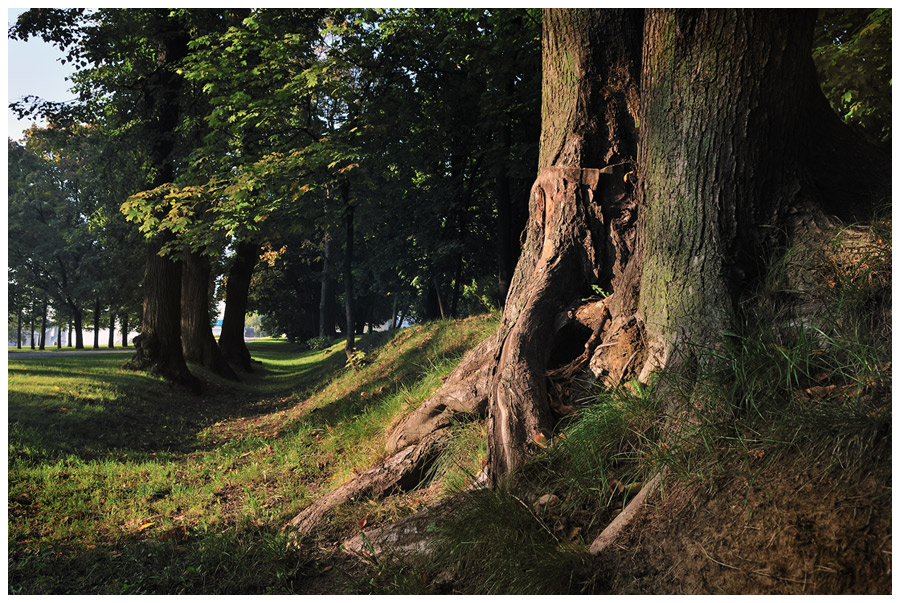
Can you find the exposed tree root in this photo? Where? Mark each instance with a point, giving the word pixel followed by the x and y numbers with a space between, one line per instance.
pixel 402 470
pixel 409 535
pixel 615 529
pixel 465 391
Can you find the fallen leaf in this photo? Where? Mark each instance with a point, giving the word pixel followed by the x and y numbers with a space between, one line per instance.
pixel 541 440
pixel 146 525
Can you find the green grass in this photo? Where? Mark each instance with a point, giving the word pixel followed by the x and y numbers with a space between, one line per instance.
pixel 120 483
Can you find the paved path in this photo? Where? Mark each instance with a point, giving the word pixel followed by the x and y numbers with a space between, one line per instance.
pixel 11 355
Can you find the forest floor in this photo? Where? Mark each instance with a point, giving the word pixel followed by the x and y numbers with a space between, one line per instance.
pixel 780 483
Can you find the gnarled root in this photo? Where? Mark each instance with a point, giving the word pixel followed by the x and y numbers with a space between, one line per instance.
pixel 465 391
pixel 402 470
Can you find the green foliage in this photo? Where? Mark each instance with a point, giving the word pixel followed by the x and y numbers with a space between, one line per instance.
pixel 356 359
pixel 853 57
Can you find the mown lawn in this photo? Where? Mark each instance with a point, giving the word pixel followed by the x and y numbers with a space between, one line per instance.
pixel 120 483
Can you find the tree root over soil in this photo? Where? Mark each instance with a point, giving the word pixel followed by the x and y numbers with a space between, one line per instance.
pixel 507 376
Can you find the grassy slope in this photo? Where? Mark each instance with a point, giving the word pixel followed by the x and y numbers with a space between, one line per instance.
pixel 119 483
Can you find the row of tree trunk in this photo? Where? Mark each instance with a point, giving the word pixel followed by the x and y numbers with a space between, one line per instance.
pixel 75 325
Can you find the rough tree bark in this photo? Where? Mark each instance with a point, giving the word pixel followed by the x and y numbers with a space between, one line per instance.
pixel 674 219
pixel 198 342
pixel 237 294
pixel 158 347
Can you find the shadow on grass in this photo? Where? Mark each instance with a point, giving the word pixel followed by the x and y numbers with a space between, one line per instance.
pixel 250 560
pixel 88 407
pixel 386 375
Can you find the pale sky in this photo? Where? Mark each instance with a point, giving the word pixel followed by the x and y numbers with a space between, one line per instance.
pixel 33 67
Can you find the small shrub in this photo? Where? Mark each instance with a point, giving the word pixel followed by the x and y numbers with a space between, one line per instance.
pixel 318 343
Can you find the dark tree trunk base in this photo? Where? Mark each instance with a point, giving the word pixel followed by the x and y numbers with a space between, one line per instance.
pixel 147 358
pixel 198 342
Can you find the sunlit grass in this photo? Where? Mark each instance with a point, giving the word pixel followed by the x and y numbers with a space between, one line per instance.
pixel 120 483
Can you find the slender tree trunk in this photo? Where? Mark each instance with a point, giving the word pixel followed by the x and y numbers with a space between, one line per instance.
pixel 438 298
pixel 350 341
pixel 197 339
pixel 111 343
pixel 96 324
pixel 59 332
pixel 69 339
pixel 393 314
pixel 326 297
pixel 507 249
pixel 31 334
pixel 237 293
pixel 123 320
pixel 43 326
pixel 78 322
pixel 19 328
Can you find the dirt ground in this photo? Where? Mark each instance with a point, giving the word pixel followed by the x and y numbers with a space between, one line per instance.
pixel 792 529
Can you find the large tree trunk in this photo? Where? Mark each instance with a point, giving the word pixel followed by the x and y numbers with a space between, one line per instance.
pixel 674 221
pixel 237 294
pixel 198 342
pixel 158 347
pixel 722 126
